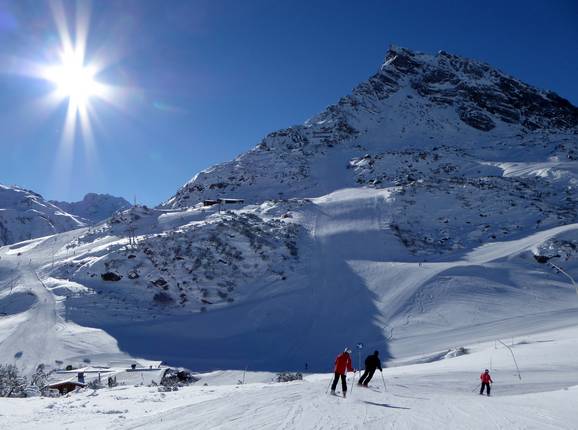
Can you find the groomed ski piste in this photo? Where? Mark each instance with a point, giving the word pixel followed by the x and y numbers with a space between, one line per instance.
pixel 437 341
pixel 439 394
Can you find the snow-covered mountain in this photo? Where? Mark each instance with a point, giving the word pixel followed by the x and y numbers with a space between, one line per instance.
pixel 421 212
pixel 26 215
pixel 414 106
pixel 438 128
pixel 94 207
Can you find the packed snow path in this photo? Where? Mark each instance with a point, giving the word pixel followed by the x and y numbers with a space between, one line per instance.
pixel 36 335
pixel 33 327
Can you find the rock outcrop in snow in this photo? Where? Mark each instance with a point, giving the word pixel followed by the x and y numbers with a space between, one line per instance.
pixel 217 260
pixel 94 207
pixel 26 215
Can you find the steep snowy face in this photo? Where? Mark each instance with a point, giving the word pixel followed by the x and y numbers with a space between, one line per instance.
pixel 94 207
pixel 26 215
pixel 414 100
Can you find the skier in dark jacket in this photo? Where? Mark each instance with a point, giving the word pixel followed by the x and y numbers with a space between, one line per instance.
pixel 372 362
pixel 342 366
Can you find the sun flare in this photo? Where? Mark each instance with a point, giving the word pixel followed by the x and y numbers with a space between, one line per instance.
pixel 74 80
pixel 75 73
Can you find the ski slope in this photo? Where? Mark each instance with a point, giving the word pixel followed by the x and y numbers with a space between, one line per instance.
pixel 431 394
pixel 34 328
pixel 356 283
pixel 407 216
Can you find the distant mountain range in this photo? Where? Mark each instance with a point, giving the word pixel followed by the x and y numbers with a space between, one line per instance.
pixel 94 207
pixel 26 215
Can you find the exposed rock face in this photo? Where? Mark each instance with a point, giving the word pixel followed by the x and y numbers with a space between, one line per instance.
pixel 478 89
pixel 110 276
pixel 413 97
pixel 476 119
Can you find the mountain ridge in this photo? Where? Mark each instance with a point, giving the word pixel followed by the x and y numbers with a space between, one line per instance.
pixel 411 94
pixel 94 207
pixel 25 215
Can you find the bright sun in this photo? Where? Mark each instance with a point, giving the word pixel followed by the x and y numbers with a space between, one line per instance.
pixel 75 74
pixel 74 80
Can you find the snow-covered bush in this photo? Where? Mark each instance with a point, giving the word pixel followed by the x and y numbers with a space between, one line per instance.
pixel 190 267
pixel 289 376
pixel 12 384
pixel 177 378
pixel 39 378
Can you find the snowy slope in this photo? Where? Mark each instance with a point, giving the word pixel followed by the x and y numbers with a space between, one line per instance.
pixel 94 207
pixel 25 215
pixel 437 394
pixel 352 280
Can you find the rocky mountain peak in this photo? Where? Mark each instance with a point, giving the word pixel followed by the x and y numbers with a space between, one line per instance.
pixel 482 95
pixel 414 100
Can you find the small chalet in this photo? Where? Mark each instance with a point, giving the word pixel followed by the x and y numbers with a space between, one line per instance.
pixel 65 386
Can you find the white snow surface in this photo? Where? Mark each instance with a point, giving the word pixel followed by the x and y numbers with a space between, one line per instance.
pixel 436 394
pixel 429 215
pixel 352 280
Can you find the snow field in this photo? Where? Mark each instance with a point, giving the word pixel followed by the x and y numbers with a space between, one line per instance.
pixel 437 394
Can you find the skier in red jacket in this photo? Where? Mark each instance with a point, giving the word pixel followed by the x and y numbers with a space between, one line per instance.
pixel 486 381
pixel 342 366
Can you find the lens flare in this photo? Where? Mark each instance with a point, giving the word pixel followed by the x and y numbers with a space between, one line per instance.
pixel 74 80
pixel 76 73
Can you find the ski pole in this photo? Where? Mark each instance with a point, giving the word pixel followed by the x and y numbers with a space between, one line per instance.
pixel 353 383
pixel 383 379
pixel 329 386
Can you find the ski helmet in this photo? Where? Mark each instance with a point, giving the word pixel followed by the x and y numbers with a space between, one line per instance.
pixel 347 350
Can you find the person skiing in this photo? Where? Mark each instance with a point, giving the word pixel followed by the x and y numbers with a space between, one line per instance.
pixel 486 381
pixel 342 366
pixel 372 362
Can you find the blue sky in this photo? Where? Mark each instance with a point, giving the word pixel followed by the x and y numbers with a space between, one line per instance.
pixel 206 80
